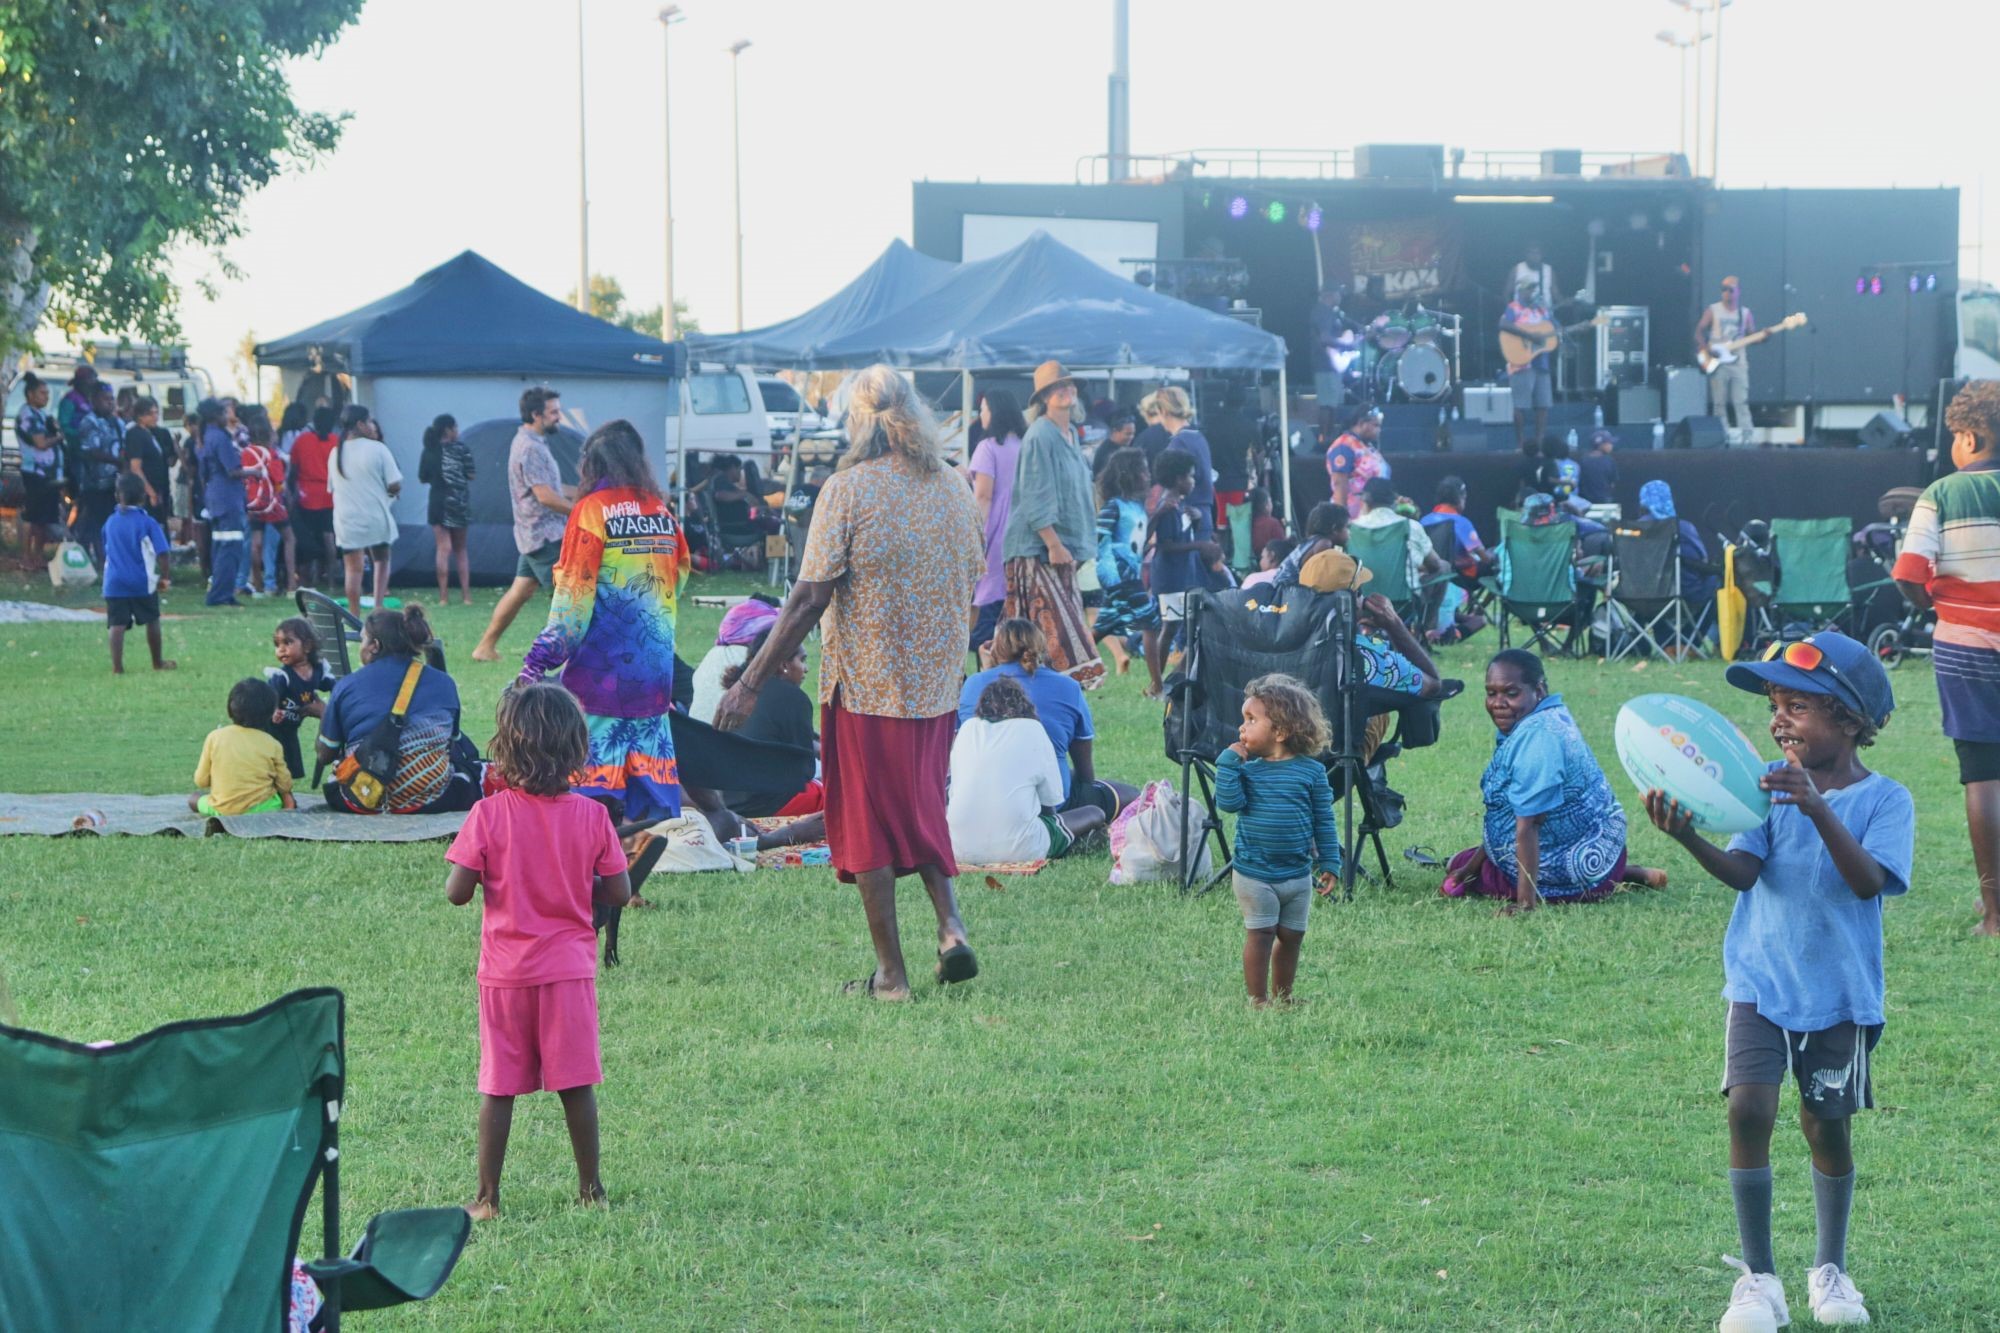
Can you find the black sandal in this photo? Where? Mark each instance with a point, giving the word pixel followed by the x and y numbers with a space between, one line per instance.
pixel 956 964
pixel 1422 856
pixel 860 986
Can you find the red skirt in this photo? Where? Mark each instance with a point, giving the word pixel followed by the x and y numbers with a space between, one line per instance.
pixel 885 782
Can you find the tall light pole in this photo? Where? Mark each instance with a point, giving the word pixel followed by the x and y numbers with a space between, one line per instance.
pixel 1680 44
pixel 1715 110
pixel 582 182
pixel 670 326
pixel 736 49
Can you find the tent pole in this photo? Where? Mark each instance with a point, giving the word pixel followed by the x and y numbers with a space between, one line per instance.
pixel 965 410
pixel 1285 447
pixel 681 446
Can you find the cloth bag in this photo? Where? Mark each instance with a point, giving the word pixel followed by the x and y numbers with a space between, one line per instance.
pixel 70 566
pixel 689 845
pixel 1146 838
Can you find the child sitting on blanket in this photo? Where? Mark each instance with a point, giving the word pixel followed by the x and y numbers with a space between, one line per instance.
pixel 242 764
pixel 1005 786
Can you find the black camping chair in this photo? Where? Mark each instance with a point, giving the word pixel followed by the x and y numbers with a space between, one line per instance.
pixel 336 629
pixel 1643 601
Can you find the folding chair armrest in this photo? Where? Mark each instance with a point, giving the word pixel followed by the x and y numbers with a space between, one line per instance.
pixel 404 1255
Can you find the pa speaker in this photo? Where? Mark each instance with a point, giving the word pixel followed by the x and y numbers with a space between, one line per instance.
pixel 1885 430
pixel 1408 439
pixel 1463 435
pixel 1700 433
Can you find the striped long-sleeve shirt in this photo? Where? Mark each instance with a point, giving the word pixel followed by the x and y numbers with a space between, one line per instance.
pixel 1284 815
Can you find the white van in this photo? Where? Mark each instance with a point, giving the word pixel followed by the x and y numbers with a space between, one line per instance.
pixel 722 410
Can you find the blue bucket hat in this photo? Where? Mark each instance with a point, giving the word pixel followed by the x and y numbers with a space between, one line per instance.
pixel 1845 669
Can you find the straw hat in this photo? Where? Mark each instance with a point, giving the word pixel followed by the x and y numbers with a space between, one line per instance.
pixel 1050 375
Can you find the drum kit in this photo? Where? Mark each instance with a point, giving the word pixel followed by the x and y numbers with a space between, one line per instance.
pixel 1410 361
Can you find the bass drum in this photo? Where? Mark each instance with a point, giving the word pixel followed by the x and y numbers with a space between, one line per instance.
pixel 1418 373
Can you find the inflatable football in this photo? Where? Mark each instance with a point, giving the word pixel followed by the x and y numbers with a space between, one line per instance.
pixel 1695 755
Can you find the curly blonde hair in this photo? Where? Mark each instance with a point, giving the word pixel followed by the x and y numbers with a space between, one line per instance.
pixel 1975 409
pixel 1294 712
pixel 886 419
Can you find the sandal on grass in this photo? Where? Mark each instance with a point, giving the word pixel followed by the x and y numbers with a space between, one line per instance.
pixel 1422 856
pixel 859 986
pixel 956 964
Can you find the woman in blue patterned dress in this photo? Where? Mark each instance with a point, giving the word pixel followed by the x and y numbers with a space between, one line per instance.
pixel 1553 830
pixel 1126 607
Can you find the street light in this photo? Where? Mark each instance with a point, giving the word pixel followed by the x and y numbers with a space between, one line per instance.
pixel 1681 44
pixel 582 182
pixel 736 49
pixel 1699 8
pixel 669 15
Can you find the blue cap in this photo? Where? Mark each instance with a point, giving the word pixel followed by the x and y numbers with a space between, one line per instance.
pixel 1847 671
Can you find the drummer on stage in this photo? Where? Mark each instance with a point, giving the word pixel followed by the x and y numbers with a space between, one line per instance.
pixel 1534 384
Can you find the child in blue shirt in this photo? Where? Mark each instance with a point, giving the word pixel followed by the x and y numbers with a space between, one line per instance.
pixel 1802 959
pixel 1273 782
pixel 1183 537
pixel 135 555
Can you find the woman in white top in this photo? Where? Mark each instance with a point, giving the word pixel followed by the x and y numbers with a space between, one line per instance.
pixel 364 482
pixel 1005 786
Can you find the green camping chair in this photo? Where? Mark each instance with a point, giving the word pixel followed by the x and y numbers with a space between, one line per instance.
pixel 1811 555
pixel 1384 552
pixel 163 1182
pixel 1536 583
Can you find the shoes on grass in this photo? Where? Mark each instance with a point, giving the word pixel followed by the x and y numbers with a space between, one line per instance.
pixel 1835 1299
pixel 1756 1304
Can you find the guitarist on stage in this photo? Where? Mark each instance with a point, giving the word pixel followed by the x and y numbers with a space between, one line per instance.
pixel 1729 385
pixel 1533 384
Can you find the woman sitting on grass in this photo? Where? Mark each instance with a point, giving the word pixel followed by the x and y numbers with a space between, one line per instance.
pixel 783 715
pixel 1005 786
pixel 1020 653
pixel 1554 831
pixel 437 769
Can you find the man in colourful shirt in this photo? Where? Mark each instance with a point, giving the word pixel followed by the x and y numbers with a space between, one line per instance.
pixel 611 625
pixel 1533 385
pixel 1951 561
pixel 1353 461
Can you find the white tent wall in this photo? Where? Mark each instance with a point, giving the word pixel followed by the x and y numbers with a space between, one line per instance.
pixel 488 408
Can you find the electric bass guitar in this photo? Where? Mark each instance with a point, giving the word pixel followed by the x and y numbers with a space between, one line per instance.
pixel 1717 355
pixel 1522 343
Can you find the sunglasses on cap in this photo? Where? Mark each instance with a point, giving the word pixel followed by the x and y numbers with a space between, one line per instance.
pixel 1806 656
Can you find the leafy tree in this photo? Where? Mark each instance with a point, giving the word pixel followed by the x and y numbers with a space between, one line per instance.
pixel 128 127
pixel 607 302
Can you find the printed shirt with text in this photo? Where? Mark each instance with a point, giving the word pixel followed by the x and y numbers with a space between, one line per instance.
pixel 617 593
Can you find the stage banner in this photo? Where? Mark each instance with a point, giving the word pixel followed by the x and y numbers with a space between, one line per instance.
pixel 1393 259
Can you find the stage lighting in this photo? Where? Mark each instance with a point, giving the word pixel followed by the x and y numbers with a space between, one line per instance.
pixel 1916 284
pixel 1930 282
pixel 1875 285
pixel 1239 207
pixel 1861 285
pixel 1314 217
pixel 1275 211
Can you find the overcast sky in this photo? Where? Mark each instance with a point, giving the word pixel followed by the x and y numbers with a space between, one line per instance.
pixel 464 129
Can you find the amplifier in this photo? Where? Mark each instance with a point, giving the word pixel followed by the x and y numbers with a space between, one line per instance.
pixel 1687 393
pixel 1491 403
pixel 1637 404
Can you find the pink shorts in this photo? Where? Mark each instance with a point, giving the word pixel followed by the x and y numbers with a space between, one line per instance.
pixel 538 1038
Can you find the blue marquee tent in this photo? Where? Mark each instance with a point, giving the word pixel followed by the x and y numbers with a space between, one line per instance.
pixel 897 277
pixel 468 316
pixel 1043 300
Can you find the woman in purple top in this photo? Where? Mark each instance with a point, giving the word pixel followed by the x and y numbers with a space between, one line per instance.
pixel 992 468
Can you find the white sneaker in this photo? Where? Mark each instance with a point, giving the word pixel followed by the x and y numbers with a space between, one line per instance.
pixel 1834 1297
pixel 1756 1304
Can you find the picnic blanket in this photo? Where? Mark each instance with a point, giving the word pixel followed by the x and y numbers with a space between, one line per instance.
pixel 60 814
pixel 32 613
pixel 788 858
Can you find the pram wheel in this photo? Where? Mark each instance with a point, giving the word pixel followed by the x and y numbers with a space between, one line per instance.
pixel 1888 646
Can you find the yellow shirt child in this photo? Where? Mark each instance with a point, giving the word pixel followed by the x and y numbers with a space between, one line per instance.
pixel 243 766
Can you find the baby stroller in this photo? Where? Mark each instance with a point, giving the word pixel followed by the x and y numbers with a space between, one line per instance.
pixel 1884 619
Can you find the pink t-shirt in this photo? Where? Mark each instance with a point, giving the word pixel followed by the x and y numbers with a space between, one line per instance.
pixel 536 857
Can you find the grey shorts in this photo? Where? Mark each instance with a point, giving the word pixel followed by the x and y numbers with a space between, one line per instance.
pixel 1533 387
pixel 1285 904
pixel 540 564
pixel 1830 1066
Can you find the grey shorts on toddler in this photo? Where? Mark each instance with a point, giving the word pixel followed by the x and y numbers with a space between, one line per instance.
pixel 1285 903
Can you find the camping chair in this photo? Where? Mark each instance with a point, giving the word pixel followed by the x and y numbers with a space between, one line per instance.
pixel 162 1182
pixel 1384 553
pixel 1812 587
pixel 335 627
pixel 1643 600
pixel 1444 542
pixel 1535 583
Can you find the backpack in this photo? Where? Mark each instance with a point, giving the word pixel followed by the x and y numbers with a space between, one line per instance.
pixel 264 496
pixel 368 771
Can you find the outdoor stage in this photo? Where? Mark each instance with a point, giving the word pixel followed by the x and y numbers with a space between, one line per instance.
pixel 1718 490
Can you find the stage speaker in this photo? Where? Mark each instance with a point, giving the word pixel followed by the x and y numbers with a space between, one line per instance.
pixel 1493 404
pixel 1699 433
pixel 1379 161
pixel 1466 436
pixel 1408 439
pixel 1637 405
pixel 1687 393
pixel 1426 415
pixel 1562 162
pixel 1885 430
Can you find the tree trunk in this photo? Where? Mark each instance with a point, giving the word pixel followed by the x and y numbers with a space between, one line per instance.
pixel 23 298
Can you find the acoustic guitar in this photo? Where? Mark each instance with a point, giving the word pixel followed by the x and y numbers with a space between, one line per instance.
pixel 1717 355
pixel 1521 344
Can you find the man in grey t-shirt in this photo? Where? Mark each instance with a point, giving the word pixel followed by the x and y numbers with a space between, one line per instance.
pixel 541 510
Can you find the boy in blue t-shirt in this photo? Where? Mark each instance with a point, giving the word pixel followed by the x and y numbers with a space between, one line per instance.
pixel 135 555
pixel 1802 959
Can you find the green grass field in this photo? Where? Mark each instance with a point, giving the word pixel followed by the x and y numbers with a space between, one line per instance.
pixel 1467 1122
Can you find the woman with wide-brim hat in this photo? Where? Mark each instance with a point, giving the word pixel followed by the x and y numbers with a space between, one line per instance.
pixel 1052 519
